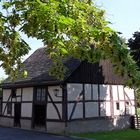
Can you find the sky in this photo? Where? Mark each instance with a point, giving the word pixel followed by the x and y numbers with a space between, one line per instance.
pixel 123 14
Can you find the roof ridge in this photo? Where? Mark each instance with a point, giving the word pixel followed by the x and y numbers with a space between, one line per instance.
pixel 40 48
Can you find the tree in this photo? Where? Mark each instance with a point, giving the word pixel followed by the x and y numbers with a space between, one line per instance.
pixel 69 28
pixel 134 45
pixel 1 80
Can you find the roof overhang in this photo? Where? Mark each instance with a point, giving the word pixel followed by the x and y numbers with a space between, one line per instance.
pixel 30 84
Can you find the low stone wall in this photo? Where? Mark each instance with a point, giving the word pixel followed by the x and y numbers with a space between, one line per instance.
pixel 5 121
pixel 76 126
pixel 99 124
pixel 25 124
pixel 56 127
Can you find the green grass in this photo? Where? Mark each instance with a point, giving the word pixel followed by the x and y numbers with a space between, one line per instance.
pixel 128 134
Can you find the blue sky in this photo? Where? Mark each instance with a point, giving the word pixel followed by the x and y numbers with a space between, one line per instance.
pixel 124 15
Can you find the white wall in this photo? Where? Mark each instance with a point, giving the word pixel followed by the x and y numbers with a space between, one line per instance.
pixel 121 92
pixel 73 91
pixel 26 108
pixel 122 95
pixel 110 96
pixel 51 111
pixel 104 92
pixel 51 91
pixel 78 111
pixel 6 94
pixel 129 93
pixel 27 94
pixel 92 109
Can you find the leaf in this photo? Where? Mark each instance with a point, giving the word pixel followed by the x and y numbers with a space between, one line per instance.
pixel 64 51
pixel 24 74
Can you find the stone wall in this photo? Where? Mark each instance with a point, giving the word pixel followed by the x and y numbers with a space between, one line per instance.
pixel 98 124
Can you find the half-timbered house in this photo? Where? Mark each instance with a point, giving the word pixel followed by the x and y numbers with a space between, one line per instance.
pixel 90 98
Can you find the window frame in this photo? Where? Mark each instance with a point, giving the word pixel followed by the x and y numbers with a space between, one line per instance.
pixel 117 106
pixel 9 108
pixel 40 94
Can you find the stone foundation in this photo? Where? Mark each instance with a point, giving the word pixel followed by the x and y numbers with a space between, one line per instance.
pixel 99 124
pixel 56 127
pixel 76 126
pixel 9 122
pixel 25 124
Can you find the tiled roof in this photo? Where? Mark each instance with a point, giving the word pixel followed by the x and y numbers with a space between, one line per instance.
pixel 38 65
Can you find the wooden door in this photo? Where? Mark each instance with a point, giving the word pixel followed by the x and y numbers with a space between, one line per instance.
pixel 17 114
pixel 40 115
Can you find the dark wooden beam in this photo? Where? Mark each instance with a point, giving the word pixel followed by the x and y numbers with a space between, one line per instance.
pixel 99 103
pixel 64 104
pixel 32 121
pixel 84 109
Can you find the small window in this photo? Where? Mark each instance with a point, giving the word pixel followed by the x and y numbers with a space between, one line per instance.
pixel 13 92
pixel 117 106
pixel 9 108
pixel 127 103
pixel 127 107
pixel 40 94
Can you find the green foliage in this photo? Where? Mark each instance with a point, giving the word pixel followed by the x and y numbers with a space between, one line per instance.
pixel 134 45
pixel 138 110
pixel 1 80
pixel 138 98
pixel 69 28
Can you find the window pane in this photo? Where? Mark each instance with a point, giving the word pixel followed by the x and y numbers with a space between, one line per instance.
pixel 117 106
pixel 38 96
pixel 43 94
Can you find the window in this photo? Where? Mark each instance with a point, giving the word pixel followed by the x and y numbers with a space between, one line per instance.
pixel 9 108
pixel 127 107
pixel 117 106
pixel 40 94
pixel 13 92
pixel 127 103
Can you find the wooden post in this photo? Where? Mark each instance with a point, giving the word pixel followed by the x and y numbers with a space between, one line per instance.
pixel 64 104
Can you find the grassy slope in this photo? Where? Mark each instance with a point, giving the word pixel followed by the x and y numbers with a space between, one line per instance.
pixel 114 135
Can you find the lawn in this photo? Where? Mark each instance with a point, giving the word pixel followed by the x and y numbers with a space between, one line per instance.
pixel 128 134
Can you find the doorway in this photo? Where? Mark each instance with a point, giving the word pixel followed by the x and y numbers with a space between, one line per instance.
pixel 17 114
pixel 40 116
